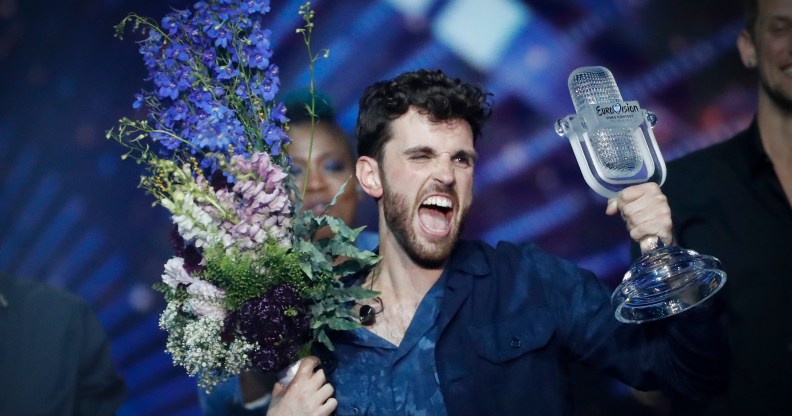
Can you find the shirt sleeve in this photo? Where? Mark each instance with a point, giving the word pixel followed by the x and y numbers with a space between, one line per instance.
pixel 225 399
pixel 684 355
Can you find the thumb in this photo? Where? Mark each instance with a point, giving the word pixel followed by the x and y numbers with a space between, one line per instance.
pixel 613 206
pixel 278 390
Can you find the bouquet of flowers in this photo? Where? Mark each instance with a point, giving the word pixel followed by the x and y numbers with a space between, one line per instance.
pixel 248 286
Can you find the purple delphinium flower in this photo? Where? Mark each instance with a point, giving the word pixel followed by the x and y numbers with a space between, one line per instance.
pixel 171 24
pixel 260 37
pixel 258 58
pixel 274 136
pixel 278 114
pixel 221 36
pixel 209 58
pixel 226 72
pixel 255 6
pixel 139 100
pixel 201 62
pixel 177 112
pixel 166 87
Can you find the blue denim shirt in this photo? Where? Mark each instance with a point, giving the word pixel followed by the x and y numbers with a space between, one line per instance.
pixel 375 377
pixel 511 319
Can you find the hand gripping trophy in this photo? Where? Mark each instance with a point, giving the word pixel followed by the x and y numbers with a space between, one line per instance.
pixel 615 148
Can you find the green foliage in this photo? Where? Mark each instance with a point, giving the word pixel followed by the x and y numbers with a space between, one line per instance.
pixel 331 310
pixel 244 276
pixel 178 295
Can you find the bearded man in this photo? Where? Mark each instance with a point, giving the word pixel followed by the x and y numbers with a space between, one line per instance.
pixel 463 328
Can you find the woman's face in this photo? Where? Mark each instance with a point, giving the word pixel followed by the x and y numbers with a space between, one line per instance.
pixel 331 166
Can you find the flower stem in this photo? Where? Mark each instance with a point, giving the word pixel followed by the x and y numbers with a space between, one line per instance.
pixel 308 15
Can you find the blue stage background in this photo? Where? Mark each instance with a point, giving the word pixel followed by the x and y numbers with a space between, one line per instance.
pixel 71 215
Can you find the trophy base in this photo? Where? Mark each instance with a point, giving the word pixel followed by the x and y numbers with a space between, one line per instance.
pixel 664 282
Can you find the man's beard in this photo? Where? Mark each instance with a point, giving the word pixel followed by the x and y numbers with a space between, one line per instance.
pixel 776 95
pixel 397 218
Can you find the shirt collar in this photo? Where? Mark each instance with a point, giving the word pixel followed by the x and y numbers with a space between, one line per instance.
pixel 468 258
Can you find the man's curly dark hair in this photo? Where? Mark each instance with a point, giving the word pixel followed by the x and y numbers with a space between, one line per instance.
pixel 430 92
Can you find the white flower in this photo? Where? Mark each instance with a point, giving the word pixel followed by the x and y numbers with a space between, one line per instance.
pixel 198 347
pixel 206 300
pixel 175 273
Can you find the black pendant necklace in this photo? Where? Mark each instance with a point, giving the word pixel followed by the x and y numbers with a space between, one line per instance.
pixel 368 315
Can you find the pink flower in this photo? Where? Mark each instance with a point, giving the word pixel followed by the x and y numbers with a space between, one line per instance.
pixel 262 205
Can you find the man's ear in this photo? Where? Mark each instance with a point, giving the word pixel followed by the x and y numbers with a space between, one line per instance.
pixel 747 48
pixel 368 176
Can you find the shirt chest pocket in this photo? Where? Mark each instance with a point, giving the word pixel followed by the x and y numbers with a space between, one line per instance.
pixel 513 336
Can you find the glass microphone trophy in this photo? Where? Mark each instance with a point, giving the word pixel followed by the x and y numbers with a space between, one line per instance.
pixel 615 148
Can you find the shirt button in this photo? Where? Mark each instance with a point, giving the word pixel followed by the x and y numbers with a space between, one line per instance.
pixel 355 411
pixel 515 342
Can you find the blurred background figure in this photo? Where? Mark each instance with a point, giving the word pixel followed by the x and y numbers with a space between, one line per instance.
pixel 54 355
pixel 732 200
pixel 329 165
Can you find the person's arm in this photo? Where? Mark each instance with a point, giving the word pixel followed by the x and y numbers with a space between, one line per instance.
pixel 684 355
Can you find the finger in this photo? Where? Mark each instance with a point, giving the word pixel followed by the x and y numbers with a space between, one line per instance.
pixel 648 243
pixel 613 206
pixel 278 390
pixel 630 196
pixel 635 192
pixel 328 407
pixel 307 366
pixel 648 208
pixel 318 379
pixel 325 392
pixel 649 218
pixel 317 376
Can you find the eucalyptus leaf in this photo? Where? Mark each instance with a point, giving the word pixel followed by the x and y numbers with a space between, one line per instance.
pixel 321 336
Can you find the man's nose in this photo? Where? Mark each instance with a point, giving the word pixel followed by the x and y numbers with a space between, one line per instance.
pixel 444 170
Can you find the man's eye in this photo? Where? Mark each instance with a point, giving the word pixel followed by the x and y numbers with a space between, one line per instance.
pixel 419 157
pixel 463 161
pixel 779 27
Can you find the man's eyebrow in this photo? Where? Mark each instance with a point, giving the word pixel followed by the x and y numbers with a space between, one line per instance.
pixel 419 149
pixel 427 150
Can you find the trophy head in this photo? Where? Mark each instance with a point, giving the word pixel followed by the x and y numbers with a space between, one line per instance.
pixel 612 139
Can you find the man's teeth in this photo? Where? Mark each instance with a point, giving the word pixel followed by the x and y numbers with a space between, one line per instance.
pixel 439 201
